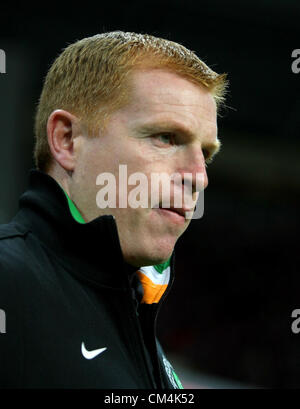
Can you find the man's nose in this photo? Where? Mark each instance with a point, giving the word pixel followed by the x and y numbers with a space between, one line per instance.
pixel 194 171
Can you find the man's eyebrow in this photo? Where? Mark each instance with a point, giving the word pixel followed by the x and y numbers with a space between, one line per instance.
pixel 152 128
pixel 164 127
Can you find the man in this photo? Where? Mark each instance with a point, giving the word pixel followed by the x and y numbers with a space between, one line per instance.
pixel 80 283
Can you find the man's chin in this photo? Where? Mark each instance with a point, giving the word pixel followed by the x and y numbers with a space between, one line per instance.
pixel 153 257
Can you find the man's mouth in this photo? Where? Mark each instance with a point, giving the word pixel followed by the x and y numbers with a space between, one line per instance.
pixel 177 214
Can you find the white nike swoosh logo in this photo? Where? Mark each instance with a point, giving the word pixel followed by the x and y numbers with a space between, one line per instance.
pixel 91 354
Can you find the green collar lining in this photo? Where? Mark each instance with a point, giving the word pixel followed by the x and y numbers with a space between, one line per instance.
pixel 74 211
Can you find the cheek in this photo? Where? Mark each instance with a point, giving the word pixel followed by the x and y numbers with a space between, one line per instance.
pixel 99 160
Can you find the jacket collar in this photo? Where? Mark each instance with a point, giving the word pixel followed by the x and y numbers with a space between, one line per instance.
pixel 92 249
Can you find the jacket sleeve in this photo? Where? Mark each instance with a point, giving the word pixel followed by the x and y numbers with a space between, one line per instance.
pixel 10 328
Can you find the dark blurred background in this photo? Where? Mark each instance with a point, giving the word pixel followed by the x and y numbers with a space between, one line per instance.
pixel 227 321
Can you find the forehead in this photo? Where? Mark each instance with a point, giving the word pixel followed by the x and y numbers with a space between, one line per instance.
pixel 156 88
pixel 162 94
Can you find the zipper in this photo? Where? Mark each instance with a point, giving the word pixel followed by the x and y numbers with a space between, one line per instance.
pixel 141 339
pixel 155 315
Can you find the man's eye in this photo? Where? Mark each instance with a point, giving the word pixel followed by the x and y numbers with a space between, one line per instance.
pixel 165 139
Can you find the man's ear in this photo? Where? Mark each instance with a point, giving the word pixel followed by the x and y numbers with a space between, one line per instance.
pixel 62 128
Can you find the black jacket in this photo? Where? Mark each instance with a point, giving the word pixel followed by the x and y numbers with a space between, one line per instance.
pixel 66 290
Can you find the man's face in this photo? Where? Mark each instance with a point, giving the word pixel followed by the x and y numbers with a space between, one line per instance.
pixel 169 126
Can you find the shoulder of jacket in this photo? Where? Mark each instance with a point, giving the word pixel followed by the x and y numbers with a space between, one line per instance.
pixel 11 230
pixel 12 245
